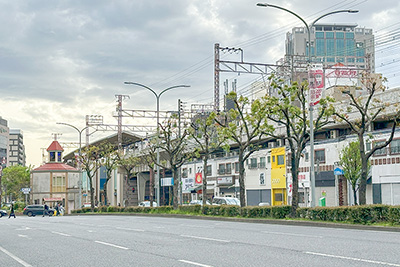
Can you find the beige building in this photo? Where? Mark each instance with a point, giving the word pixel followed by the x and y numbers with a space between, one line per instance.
pixel 55 182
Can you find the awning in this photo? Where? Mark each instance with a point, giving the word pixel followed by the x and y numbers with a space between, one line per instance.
pixel 53 199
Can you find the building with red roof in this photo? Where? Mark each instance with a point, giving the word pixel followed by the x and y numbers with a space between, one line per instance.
pixel 55 182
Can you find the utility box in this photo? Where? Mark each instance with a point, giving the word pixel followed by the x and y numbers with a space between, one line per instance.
pixel 322 202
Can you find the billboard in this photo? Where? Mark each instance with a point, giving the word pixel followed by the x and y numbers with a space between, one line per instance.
pixel 316 83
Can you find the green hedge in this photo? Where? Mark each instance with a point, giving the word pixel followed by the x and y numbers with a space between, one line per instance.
pixel 367 214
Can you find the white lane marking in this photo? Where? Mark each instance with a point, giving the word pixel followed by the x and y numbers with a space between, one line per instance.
pixel 194 263
pixel 24 236
pixel 130 229
pixel 111 245
pixel 23 229
pixel 282 233
pixel 160 227
pixel 15 258
pixel 58 233
pixel 350 258
pixel 91 231
pixel 206 238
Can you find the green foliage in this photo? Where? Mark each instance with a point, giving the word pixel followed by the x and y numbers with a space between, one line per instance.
pixel 367 214
pixel 350 160
pixel 14 178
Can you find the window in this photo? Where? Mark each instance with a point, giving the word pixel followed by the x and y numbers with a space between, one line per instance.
pixel 221 169
pixel 278 196
pixel 262 162
pixel 339 35
pixel 236 167
pixel 379 152
pixel 319 35
pixel 53 156
pixel 209 170
pixel 269 159
pixel 253 163
pixel 262 178
pixel 320 155
pixel 273 158
pixel 228 168
pixel 395 146
pixel 281 159
pixel 184 173
pixel 58 184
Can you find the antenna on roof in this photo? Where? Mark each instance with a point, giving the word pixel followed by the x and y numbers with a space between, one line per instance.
pixel 56 135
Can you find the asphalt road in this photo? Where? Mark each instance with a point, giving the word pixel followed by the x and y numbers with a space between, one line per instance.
pixel 156 241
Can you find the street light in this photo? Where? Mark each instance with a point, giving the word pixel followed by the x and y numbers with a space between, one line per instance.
pixel 158 129
pixel 80 154
pixel 311 108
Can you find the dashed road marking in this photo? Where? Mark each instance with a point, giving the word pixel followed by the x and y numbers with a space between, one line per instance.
pixel 206 238
pixel 352 259
pixel 58 233
pixel 194 263
pixel 111 245
pixel 292 234
pixel 130 229
pixel 15 258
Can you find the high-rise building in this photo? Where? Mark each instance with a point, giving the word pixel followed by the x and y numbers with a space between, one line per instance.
pixel 4 140
pixel 333 44
pixel 17 148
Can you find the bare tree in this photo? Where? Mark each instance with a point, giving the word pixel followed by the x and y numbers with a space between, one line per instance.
pixel 368 108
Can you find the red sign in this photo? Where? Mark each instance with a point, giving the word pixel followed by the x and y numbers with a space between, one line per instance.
pixel 199 178
pixel 200 191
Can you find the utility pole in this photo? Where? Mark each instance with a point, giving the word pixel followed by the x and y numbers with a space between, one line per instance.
pixel 119 110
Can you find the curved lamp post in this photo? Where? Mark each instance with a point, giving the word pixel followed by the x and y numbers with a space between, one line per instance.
pixel 158 129
pixel 80 154
pixel 311 108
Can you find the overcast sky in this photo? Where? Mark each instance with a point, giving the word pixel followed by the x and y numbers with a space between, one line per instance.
pixel 62 60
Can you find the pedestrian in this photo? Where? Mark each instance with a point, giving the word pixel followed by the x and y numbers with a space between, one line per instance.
pixel 61 209
pixel 56 208
pixel 12 212
pixel 45 210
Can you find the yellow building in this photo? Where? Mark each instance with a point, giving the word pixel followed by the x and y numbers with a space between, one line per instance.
pixel 278 176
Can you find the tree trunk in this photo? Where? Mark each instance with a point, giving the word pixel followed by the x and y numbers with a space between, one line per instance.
pixel 105 193
pixel 364 174
pixel 175 187
pixel 241 180
pixel 91 193
pixel 204 188
pixel 151 187
pixel 355 195
pixel 295 182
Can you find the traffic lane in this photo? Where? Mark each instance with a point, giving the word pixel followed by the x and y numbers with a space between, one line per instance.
pixel 40 246
pixel 312 240
pixel 196 244
pixel 273 236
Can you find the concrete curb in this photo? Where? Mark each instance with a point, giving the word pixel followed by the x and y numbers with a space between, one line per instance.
pixel 251 220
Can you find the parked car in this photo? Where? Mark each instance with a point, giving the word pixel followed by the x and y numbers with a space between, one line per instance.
pixel 3 213
pixel 264 204
pixel 147 204
pixel 199 202
pixel 33 210
pixel 226 201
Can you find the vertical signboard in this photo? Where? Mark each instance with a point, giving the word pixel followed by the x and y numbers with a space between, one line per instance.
pixel 316 83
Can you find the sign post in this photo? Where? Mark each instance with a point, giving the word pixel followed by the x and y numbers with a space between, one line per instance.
pixel 337 170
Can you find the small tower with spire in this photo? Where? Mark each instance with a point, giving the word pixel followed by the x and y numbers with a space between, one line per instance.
pixel 55 151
